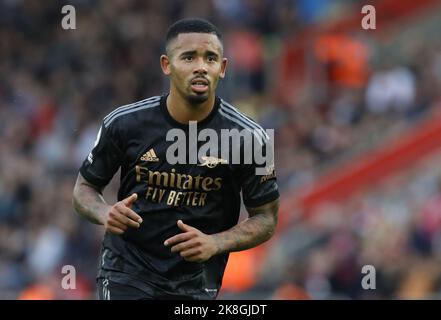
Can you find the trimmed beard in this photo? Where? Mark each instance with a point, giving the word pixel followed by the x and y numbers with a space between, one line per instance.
pixel 197 99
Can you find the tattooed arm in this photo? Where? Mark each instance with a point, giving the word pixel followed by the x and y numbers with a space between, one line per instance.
pixel 194 245
pixel 256 229
pixel 88 201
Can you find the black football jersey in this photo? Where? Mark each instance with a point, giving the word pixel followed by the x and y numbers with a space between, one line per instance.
pixel 205 195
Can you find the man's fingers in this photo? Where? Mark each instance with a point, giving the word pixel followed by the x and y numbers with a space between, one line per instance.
pixel 129 213
pixel 183 246
pixel 122 215
pixel 185 227
pixel 129 200
pixel 178 238
pixel 190 252
pixel 128 222
pixel 117 224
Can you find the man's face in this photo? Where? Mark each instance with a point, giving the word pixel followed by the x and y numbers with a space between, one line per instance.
pixel 194 62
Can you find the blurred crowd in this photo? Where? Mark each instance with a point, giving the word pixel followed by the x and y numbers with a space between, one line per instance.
pixel 394 227
pixel 56 85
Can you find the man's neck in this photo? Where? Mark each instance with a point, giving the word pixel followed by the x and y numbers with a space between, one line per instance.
pixel 183 112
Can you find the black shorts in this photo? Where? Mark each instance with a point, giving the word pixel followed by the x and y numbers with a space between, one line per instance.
pixel 111 290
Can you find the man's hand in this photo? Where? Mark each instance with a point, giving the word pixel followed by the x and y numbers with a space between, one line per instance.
pixel 120 216
pixel 193 245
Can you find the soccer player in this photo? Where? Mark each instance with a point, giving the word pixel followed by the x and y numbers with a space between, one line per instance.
pixel 170 233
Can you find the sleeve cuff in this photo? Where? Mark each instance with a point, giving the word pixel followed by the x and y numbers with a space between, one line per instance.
pixel 252 203
pixel 93 179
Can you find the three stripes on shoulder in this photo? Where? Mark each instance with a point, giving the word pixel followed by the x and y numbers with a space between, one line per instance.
pixel 226 110
pixel 133 107
pixel 231 113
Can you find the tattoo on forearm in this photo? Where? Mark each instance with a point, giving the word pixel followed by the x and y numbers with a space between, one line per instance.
pixel 89 202
pixel 258 228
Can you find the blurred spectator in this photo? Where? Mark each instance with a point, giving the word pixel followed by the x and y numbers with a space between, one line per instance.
pixel 392 89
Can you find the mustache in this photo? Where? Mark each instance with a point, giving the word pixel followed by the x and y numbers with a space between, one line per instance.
pixel 200 78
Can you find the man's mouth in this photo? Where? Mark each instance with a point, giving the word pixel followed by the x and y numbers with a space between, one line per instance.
pixel 199 85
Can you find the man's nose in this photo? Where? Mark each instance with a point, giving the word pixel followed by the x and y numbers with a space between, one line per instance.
pixel 201 66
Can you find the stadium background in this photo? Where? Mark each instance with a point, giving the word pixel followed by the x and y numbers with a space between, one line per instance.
pixel 358 135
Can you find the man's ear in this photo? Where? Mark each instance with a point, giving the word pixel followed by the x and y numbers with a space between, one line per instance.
pixel 223 68
pixel 165 64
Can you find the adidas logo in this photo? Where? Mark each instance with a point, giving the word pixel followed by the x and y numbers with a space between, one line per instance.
pixel 150 156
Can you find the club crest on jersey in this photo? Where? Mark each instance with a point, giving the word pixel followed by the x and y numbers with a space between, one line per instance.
pixel 211 162
pixel 150 156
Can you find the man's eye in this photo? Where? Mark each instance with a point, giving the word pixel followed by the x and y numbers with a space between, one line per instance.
pixel 212 58
pixel 188 58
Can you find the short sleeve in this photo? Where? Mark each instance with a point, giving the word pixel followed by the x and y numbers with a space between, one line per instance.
pixel 105 158
pixel 259 182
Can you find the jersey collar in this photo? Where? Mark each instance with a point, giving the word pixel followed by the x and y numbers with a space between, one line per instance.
pixel 174 123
